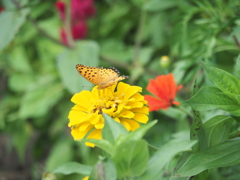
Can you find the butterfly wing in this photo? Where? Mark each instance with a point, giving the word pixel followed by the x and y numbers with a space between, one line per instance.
pixel 100 76
pixel 89 73
pixel 109 77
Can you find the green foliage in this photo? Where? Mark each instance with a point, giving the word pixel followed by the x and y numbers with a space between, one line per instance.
pixel 12 22
pixel 221 155
pixel 215 131
pixel 211 97
pixel 73 167
pixel 225 97
pixel 226 82
pixel 85 52
pixel 157 162
pixel 104 169
pixel 112 129
pixel 131 158
pixel 38 78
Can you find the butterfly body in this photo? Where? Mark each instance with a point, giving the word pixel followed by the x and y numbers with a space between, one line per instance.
pixel 100 76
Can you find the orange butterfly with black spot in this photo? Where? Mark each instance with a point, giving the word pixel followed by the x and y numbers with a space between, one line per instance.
pixel 100 76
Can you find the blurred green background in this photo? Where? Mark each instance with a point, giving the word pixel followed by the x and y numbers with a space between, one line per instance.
pixel 38 76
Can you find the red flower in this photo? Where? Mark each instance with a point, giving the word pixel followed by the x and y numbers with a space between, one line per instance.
pixel 165 89
pixel 61 9
pixel 80 11
pixel 1 9
pixel 79 31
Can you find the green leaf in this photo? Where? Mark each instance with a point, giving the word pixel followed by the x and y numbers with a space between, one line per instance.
pixel 197 120
pixel 224 80
pixel 86 53
pixel 20 82
pixel 140 132
pixel 233 96
pixel 104 169
pixel 38 101
pixel 12 21
pixel 215 131
pixel 221 155
pixel 103 144
pixel 131 158
pixel 21 132
pixel 209 98
pixel 145 55
pixel 19 60
pixel 73 167
pixel 185 155
pixel 163 156
pixel 112 129
pixel 61 153
pixel 160 5
pixel 114 49
pixel 237 67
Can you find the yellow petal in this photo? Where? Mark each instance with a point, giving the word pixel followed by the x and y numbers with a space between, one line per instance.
pixel 126 125
pixel 77 117
pixel 119 109
pixel 133 124
pixel 142 118
pixel 83 98
pixel 99 126
pixel 78 135
pixel 109 111
pixel 117 119
pixel 96 134
pixel 127 114
pixel 131 91
pixel 127 107
pixel 74 113
pixel 84 126
pixel 122 87
pixel 135 104
pixel 144 110
pixel 138 97
pixel 95 118
pixel 80 108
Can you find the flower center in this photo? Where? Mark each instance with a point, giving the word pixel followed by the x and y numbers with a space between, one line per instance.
pixel 107 104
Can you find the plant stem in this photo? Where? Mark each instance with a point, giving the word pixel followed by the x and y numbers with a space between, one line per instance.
pixel 152 147
pixel 184 110
pixel 138 40
pixel 44 33
pixel 236 41
pixel 68 24
pixel 39 29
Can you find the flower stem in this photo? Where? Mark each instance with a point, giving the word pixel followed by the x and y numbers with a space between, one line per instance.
pixel 138 40
pixel 38 28
pixel 67 24
pixel 152 147
pixel 184 110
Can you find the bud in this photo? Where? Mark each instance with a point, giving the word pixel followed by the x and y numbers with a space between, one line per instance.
pixel 164 61
pixel 48 176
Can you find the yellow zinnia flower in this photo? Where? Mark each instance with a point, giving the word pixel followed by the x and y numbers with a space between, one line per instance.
pixel 125 105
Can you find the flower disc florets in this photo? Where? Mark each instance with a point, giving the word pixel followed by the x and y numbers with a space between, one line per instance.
pixel 125 105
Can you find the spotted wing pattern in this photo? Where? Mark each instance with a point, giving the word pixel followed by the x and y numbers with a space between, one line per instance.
pixel 100 76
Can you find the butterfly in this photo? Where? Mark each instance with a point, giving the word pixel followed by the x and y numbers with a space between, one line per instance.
pixel 100 76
